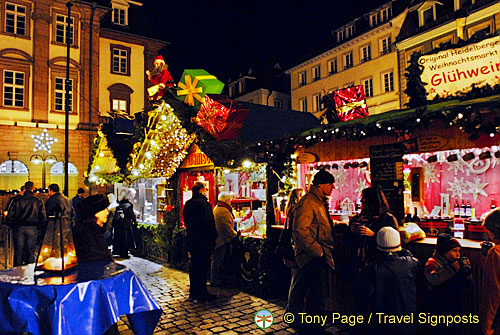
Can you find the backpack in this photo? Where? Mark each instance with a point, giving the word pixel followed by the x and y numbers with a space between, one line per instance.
pixel 284 249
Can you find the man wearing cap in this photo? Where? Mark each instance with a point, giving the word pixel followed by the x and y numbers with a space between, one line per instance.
pixel 313 242
pixel 159 76
pixel 88 234
pixel 388 285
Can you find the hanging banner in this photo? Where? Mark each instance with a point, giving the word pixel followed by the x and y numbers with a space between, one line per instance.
pixel 457 70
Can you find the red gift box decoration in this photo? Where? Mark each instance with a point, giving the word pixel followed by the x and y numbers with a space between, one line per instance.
pixel 350 103
pixel 222 117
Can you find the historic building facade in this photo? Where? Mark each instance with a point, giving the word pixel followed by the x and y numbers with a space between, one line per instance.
pixel 106 72
pixel 362 54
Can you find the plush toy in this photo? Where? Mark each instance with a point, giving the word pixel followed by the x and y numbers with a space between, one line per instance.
pixel 160 77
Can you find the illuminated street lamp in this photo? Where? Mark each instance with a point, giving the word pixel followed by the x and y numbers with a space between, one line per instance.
pixel 43 143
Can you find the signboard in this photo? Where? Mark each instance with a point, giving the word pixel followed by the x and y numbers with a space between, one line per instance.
pixel 196 158
pixel 431 143
pixel 456 70
pixel 386 168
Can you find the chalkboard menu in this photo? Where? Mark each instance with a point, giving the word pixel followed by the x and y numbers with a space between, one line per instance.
pixel 386 168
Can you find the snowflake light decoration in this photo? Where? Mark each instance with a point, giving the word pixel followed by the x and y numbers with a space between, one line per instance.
pixel 431 173
pixel 457 187
pixel 43 142
pixel 360 186
pixel 477 188
pixel 340 177
pixel 458 166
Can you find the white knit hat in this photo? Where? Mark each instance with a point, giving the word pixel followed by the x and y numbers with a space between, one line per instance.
pixel 388 240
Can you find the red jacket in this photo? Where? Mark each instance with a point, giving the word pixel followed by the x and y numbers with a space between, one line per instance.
pixel 163 77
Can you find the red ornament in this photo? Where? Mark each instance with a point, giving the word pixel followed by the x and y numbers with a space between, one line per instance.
pixel 350 103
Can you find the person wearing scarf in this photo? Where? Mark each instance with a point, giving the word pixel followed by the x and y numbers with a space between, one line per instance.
pixel 224 222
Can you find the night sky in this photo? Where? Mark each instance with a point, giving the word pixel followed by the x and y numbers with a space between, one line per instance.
pixel 226 37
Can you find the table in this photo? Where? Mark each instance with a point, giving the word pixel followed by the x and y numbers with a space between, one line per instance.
pixel 89 300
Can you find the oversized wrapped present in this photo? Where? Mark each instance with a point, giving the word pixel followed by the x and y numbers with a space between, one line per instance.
pixel 194 84
pixel 222 117
pixel 350 103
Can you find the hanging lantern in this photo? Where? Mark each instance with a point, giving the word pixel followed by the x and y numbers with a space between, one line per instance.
pixel 57 252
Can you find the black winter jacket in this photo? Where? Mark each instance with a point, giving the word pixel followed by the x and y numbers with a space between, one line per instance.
pixel 58 202
pixel 200 223
pixel 27 210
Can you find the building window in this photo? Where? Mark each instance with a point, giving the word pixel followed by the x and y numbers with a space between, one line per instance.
pixel 332 66
pixel 385 14
pixel 463 3
pixel 61 29
pixel 15 19
pixel 349 31
pixel 374 19
pixel 60 95
pixel 340 36
pixel 348 60
pixel 368 83
pixel 303 105
pixel 231 91
pixel 241 86
pixel 426 15
pixel 366 53
pixel 385 46
pixel 13 88
pixel 302 78
pixel 316 73
pixel 317 102
pixel 119 105
pixel 119 97
pixel 388 81
pixel 485 28
pixel 119 16
pixel 277 103
pixel 120 59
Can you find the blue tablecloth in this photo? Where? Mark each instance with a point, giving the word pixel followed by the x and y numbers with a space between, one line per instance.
pixel 89 300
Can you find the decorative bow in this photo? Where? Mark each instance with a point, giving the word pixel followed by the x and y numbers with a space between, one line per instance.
pixel 190 90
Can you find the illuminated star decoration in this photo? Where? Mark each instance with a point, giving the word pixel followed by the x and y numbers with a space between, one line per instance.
pixel 43 142
pixel 457 187
pixel 477 188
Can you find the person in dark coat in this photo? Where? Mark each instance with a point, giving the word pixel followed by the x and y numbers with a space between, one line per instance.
pixel 201 236
pixel 88 233
pixel 389 284
pixel 76 200
pixel 124 222
pixel 57 202
pixel 26 217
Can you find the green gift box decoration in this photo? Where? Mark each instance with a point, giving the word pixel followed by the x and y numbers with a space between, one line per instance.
pixel 194 84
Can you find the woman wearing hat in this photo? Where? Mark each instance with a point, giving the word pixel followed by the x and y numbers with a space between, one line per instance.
pixel 88 234
pixel 490 291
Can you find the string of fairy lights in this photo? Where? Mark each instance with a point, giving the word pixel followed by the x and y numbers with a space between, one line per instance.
pixel 164 148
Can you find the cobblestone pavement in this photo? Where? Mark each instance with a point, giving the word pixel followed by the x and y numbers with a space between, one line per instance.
pixel 231 313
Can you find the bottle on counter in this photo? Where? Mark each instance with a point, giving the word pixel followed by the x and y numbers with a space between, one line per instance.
pixel 468 212
pixel 462 209
pixel 415 218
pixel 492 206
pixel 456 209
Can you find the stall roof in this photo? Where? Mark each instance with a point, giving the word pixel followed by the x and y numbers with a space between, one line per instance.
pixel 266 123
pixel 435 111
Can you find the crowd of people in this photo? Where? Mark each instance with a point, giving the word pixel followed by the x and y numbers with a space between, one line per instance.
pixel 383 273
pixel 94 230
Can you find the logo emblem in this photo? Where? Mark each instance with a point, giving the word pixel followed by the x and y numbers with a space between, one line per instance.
pixel 263 319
